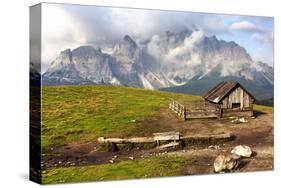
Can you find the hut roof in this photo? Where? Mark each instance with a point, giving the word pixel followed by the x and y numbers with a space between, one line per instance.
pixel 221 90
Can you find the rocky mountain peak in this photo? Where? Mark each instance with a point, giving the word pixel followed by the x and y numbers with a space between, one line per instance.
pixel 126 47
pixel 66 54
pixel 177 37
pixel 66 51
pixel 86 51
pixel 128 40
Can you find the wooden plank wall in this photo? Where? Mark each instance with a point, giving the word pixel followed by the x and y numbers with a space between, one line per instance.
pixel 237 96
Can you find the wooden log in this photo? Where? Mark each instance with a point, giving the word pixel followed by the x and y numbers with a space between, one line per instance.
pixel 173 137
pixel 214 136
pixel 172 144
pixel 126 140
pixel 166 136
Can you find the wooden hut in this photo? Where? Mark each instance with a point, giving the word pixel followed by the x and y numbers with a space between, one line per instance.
pixel 231 98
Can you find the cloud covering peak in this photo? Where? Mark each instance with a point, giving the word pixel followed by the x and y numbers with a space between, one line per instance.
pixel 69 26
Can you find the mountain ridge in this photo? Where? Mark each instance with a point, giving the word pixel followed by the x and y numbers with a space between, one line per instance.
pixel 169 61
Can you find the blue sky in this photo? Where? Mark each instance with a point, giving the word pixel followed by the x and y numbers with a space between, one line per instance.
pixel 69 26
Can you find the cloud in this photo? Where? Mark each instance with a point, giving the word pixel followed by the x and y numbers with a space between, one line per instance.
pixel 264 51
pixel 186 49
pixel 266 56
pixel 69 26
pixel 177 55
pixel 259 36
pixel 264 38
pixel 59 31
pixel 244 26
pixel 155 48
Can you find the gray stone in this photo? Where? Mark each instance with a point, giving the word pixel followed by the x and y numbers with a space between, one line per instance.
pixel 225 163
pixel 242 150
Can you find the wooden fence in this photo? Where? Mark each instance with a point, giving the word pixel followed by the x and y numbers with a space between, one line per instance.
pixel 194 110
pixel 178 108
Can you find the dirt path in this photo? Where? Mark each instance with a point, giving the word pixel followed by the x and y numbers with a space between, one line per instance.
pixel 257 133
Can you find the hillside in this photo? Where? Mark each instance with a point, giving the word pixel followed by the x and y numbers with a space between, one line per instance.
pixel 258 87
pixel 82 113
pixel 74 116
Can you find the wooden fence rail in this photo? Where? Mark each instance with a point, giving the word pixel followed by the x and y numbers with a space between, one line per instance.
pixel 194 110
pixel 178 108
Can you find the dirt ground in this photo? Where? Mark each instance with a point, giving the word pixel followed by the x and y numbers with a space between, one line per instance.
pixel 256 133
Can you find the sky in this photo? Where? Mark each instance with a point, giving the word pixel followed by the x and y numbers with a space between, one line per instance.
pixel 70 26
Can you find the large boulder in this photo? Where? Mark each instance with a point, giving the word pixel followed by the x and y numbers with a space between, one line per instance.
pixel 226 163
pixel 242 150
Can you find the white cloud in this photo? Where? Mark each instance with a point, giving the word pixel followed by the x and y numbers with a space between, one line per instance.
pixel 187 48
pixel 245 26
pixel 264 38
pixel 59 31
pixel 181 55
pixel 265 50
pixel 265 56
pixel 260 38
pixel 155 48
pixel 69 26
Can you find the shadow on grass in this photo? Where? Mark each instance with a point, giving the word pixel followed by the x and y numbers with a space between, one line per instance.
pixel 257 113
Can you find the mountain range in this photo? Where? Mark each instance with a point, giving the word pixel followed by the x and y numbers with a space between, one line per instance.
pixel 185 61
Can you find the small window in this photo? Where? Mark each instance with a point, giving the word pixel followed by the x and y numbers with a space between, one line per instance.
pixel 236 105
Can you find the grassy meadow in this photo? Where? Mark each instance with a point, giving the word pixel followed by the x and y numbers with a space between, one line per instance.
pixel 129 169
pixel 83 113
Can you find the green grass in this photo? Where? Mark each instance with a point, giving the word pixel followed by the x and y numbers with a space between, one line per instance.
pixel 83 113
pixel 141 168
pixel 263 108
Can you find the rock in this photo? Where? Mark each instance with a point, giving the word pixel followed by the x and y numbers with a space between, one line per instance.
pixel 133 120
pixel 242 150
pixel 243 120
pixel 239 120
pixel 111 161
pixel 225 163
pixel 215 147
pixel 132 158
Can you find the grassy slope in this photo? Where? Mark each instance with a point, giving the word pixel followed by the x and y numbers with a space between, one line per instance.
pixel 141 168
pixel 200 86
pixel 262 108
pixel 82 113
